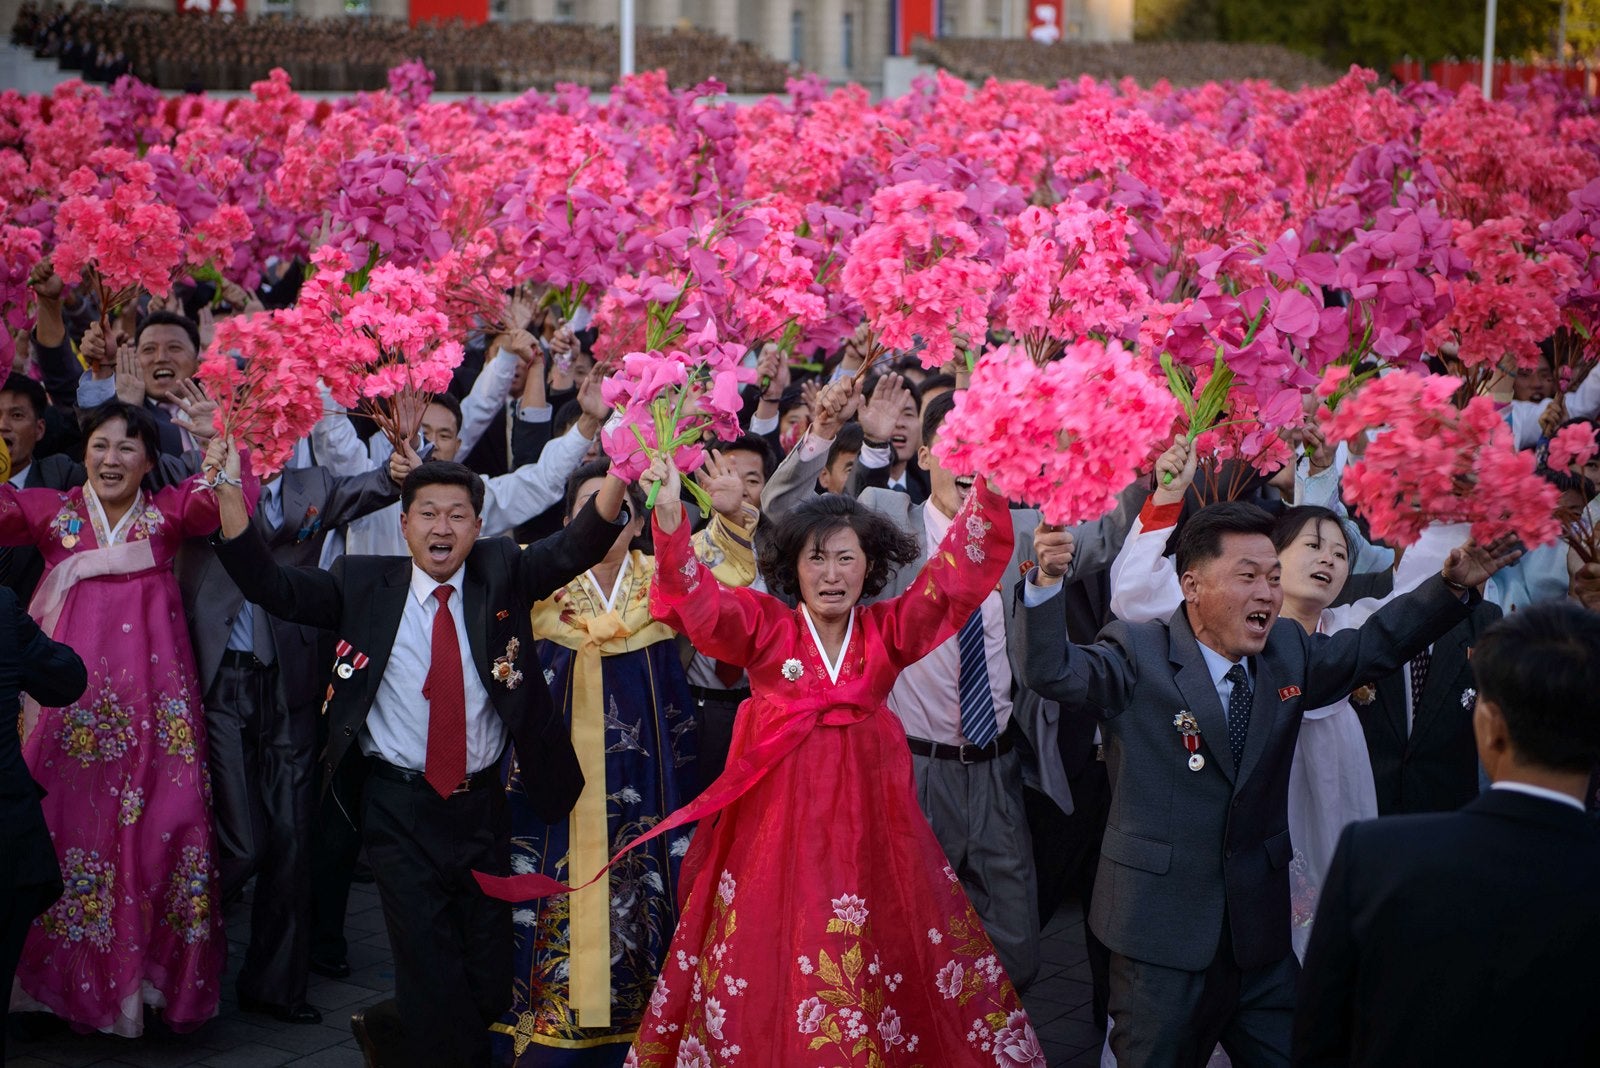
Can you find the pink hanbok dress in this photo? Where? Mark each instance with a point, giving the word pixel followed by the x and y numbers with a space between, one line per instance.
pixel 125 767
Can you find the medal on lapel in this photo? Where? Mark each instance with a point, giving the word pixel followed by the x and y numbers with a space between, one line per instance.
pixel 73 526
pixel 1189 730
pixel 346 669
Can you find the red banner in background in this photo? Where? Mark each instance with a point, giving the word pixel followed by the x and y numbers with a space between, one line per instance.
pixel 1044 22
pixel 1453 74
pixel 472 12
pixel 913 19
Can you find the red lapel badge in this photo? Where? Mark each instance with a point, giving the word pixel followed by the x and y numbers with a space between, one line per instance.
pixel 1288 692
pixel 503 614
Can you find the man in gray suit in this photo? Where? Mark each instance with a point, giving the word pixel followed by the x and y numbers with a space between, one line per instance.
pixel 957 703
pixel 1200 715
pixel 261 682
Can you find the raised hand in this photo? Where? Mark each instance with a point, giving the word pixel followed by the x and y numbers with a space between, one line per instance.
pixel 1175 471
pixel 1585 586
pixel 1052 553
pixel 835 404
pixel 1554 414
pixel 402 462
pixel 196 410
pixel 882 409
pixel 723 484
pixel 206 324
pixel 1472 564
pixel 100 356
pixel 44 281
pixel 130 376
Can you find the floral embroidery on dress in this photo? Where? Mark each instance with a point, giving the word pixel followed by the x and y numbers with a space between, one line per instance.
pixel 67 523
pixel 175 726
pixel 851 1012
pixel 130 806
pixel 189 895
pixel 99 730
pixel 691 574
pixel 83 914
pixel 146 524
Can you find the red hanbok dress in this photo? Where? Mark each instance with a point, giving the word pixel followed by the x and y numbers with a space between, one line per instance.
pixel 820 922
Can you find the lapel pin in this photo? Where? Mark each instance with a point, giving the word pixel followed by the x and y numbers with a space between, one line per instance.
pixel 1189 729
pixel 503 614
pixel 1288 692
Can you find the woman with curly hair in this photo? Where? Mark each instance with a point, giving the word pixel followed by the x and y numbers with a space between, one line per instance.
pixel 820 920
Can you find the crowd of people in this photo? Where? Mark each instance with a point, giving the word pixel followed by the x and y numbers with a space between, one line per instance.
pixel 859 686
pixel 185 51
pixel 1146 62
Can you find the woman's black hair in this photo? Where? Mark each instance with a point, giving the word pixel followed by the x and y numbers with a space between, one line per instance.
pixel 598 469
pixel 1294 520
pixel 140 423
pixel 886 547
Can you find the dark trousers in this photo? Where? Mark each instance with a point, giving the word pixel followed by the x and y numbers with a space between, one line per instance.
pixel 335 847
pixel 30 882
pixel 261 788
pixel 452 945
pixel 714 711
pixel 1067 852
pixel 1167 1016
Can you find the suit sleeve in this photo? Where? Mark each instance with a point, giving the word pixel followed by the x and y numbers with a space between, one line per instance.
pixel 306 595
pixel 795 480
pixel 52 673
pixel 1097 678
pixel 1097 543
pixel 354 496
pixel 1325 1006
pixel 1338 663
pixel 546 566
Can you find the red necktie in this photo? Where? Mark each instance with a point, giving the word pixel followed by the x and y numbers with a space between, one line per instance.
pixel 447 703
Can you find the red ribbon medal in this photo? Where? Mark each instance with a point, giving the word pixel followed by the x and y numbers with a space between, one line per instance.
pixel 1189 730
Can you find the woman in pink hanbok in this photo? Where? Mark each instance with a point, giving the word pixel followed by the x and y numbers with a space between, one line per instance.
pixel 128 803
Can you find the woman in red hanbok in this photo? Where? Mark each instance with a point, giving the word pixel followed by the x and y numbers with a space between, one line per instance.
pixel 821 923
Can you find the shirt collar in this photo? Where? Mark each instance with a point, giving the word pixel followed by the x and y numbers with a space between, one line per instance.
pixel 1219 665
pixel 1540 791
pixel 20 476
pixel 270 491
pixel 936 523
pixel 423 584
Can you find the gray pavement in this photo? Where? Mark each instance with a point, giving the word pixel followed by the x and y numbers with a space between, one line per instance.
pixel 1058 1004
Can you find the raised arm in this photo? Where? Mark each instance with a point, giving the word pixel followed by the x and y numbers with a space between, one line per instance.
pixel 546 566
pixel 1097 679
pixel 959 574
pixel 519 495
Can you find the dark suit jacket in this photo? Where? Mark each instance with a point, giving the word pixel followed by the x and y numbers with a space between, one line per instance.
pixel 1435 768
pixel 1181 847
pixel 864 478
pixel 54 675
pixel 361 598
pixel 314 502
pixel 1459 938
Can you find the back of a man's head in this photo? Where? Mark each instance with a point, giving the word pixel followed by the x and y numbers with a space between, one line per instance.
pixel 1540 667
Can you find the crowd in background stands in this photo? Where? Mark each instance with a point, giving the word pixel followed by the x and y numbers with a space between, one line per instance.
pixel 191 52
pixel 1146 62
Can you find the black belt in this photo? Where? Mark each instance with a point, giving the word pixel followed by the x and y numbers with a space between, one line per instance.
pixel 489 776
pixel 236 658
pixel 967 754
pixel 705 693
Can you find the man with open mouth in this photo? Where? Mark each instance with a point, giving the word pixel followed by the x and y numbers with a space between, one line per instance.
pixel 1200 714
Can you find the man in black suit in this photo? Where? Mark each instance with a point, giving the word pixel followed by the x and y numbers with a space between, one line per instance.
pixel 1201 714
pixel 436 671
pixel 30 877
pixel 1470 937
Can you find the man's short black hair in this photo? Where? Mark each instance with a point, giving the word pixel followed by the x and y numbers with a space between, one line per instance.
pixel 848 440
pixel 752 443
pixel 1201 540
pixel 933 416
pixel 449 404
pixel 23 386
pixel 140 423
pixel 166 318
pixel 1540 666
pixel 442 473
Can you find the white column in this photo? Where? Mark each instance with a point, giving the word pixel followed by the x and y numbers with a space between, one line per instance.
pixel 825 39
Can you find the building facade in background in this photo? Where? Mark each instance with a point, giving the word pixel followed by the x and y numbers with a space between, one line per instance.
pixel 842 40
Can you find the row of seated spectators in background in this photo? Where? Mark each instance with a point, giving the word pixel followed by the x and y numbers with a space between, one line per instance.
pixel 1146 62
pixel 172 51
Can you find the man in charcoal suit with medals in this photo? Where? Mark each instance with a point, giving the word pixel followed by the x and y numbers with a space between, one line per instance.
pixel 436 674
pixel 1200 715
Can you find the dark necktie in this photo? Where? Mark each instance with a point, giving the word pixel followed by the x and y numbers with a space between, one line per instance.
pixel 446 765
pixel 1419 678
pixel 977 702
pixel 1238 712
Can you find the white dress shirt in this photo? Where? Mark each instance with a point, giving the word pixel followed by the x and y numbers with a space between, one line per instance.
pixel 927 696
pixel 397 725
pixel 19 476
pixel 1219 666
pixel 1539 791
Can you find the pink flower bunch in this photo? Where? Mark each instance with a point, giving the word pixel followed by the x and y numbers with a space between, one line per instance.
pixel 783 301
pixel 1432 462
pixel 128 238
pixel 1068 275
pixel 1572 448
pixel 389 208
pixel 19 251
pixel 265 384
pixel 1508 303
pixel 1068 436
pixel 669 403
pixel 916 274
pixel 580 244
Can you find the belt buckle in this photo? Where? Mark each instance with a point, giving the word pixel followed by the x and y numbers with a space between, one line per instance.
pixel 965 748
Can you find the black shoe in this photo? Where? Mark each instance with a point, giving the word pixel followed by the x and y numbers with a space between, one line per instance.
pixel 292 1014
pixel 35 1026
pixel 378 1033
pixel 331 969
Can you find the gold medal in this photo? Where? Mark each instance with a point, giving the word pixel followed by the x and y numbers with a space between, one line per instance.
pixel 69 541
pixel 1196 762
pixel 345 671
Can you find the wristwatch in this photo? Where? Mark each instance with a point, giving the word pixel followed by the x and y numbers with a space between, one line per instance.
pixel 624 515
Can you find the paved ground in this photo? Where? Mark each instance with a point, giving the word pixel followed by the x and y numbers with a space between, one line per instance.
pixel 1058 1003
